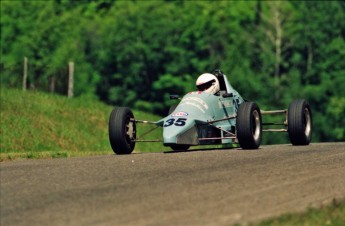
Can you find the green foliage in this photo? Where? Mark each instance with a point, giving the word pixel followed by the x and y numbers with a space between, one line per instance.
pixel 335 112
pixel 169 84
pixel 136 53
pixel 49 37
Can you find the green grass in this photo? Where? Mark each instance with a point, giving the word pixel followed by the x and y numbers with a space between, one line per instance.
pixel 41 125
pixel 331 215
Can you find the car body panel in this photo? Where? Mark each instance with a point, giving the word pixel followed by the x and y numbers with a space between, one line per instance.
pixel 202 118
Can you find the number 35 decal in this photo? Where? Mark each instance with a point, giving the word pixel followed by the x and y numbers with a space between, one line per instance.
pixel 178 122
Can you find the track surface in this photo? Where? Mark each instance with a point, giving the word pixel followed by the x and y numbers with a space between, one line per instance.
pixel 208 187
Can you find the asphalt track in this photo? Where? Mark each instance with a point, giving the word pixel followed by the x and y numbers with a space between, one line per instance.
pixel 205 187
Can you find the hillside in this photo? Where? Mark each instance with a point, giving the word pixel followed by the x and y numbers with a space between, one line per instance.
pixel 35 125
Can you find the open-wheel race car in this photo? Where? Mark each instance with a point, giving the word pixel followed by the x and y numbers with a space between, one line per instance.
pixel 214 114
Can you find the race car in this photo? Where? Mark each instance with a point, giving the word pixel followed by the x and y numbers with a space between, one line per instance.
pixel 214 114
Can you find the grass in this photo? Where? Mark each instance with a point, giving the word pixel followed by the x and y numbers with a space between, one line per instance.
pixel 41 125
pixel 332 215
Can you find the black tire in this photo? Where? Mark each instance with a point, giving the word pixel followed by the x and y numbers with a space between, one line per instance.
pixel 249 125
pixel 299 122
pixel 122 130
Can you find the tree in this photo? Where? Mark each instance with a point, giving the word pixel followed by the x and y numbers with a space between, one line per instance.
pixel 321 50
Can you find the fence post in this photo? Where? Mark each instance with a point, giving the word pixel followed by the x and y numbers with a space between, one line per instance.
pixel 52 84
pixel 70 79
pixel 25 73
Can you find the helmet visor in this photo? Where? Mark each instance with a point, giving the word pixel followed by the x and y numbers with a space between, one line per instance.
pixel 205 86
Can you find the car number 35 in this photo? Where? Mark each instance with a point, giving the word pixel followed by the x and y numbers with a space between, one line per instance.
pixel 177 122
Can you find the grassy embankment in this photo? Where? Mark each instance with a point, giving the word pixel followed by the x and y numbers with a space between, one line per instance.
pixel 40 125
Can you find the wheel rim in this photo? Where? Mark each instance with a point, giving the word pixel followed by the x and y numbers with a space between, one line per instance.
pixel 307 122
pixel 256 125
pixel 130 130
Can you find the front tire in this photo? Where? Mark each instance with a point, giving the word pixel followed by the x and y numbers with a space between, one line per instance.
pixel 299 122
pixel 122 130
pixel 249 125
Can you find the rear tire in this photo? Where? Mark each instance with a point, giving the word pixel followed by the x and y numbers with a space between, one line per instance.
pixel 299 122
pixel 249 125
pixel 122 130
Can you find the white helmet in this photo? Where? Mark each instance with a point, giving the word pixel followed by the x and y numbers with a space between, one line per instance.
pixel 207 83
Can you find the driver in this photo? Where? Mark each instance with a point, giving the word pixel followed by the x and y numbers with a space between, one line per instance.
pixel 207 83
